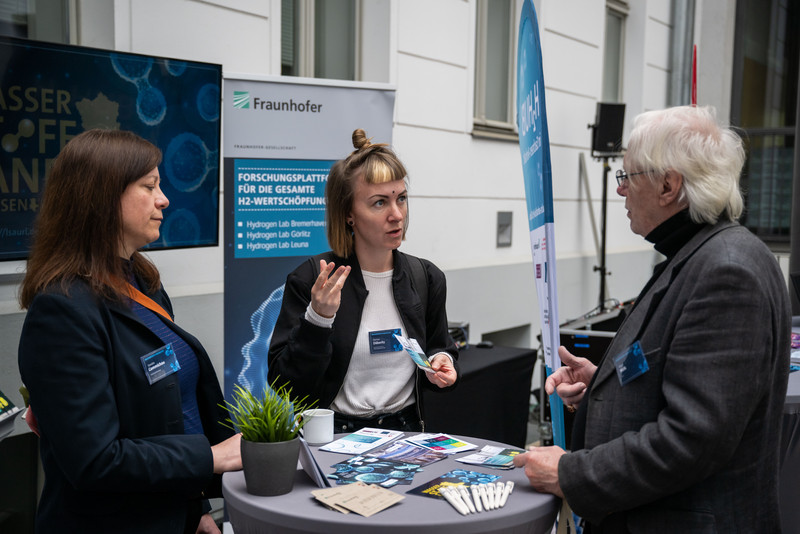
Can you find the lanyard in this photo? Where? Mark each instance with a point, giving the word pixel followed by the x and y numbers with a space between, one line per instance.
pixel 147 302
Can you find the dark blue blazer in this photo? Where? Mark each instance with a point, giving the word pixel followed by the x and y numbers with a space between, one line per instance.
pixel 113 450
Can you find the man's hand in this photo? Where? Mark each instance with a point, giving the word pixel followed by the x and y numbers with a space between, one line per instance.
pixel 571 379
pixel 541 468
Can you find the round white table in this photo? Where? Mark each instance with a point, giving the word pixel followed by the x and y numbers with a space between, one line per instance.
pixel 526 510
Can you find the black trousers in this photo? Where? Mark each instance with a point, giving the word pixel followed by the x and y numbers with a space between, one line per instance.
pixel 406 420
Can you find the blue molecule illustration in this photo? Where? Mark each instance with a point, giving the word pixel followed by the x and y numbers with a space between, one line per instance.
pixel 151 106
pixel 208 102
pixel 175 67
pixel 187 162
pixel 131 68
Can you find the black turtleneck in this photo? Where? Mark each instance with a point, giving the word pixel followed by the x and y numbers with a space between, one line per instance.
pixel 670 236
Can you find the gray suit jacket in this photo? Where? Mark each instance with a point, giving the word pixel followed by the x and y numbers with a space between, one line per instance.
pixel 692 444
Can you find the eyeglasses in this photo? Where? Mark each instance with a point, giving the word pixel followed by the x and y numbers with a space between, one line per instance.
pixel 622 176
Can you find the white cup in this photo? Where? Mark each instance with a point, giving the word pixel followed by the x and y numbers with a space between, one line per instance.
pixel 318 428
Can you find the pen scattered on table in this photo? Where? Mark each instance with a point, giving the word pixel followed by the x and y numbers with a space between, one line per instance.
pixel 488 496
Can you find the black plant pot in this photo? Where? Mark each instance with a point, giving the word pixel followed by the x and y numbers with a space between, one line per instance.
pixel 269 468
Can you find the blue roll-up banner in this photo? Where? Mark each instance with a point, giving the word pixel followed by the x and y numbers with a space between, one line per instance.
pixel 534 145
pixel 281 137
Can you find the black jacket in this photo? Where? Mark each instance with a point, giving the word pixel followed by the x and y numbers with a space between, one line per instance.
pixel 113 450
pixel 315 359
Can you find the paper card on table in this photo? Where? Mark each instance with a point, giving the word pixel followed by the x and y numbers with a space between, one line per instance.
pixel 441 442
pixel 494 457
pixel 413 349
pixel 360 498
pixel 330 497
pixel 361 441
pixel 370 500
pixel 311 467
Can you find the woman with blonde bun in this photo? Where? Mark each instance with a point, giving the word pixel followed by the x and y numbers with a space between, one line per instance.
pixel 333 340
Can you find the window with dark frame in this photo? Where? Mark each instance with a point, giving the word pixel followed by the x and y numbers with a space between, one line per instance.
pixel 764 108
pixel 495 68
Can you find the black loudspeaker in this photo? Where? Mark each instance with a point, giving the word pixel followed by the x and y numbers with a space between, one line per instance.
pixel 607 128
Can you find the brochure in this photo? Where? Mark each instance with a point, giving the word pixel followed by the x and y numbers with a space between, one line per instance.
pixel 8 413
pixel 442 443
pixel 402 451
pixel 413 349
pixel 494 457
pixel 362 441
pixel 385 473
pixel 456 477
pixel 7 408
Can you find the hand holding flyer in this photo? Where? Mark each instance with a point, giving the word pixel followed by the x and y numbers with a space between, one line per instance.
pixel 415 351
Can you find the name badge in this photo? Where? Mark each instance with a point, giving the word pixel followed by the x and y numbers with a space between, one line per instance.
pixel 160 363
pixel 631 364
pixel 381 341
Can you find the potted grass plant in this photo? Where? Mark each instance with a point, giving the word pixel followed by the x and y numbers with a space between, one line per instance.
pixel 270 445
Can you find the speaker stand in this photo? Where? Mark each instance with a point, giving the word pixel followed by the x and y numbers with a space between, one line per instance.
pixel 602 267
pixel 603 299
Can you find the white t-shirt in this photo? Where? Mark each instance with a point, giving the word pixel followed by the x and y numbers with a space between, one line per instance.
pixel 375 383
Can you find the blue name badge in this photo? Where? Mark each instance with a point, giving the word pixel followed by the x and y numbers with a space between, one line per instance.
pixel 381 341
pixel 160 363
pixel 631 364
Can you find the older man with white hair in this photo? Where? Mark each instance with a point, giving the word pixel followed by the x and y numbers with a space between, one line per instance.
pixel 677 428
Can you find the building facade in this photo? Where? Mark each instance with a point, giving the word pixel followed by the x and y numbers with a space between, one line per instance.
pixel 453 64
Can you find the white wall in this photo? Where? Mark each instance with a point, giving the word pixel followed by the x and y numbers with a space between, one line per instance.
pixel 458 182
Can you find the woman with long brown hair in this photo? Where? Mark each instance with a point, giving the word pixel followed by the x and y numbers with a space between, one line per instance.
pixel 127 402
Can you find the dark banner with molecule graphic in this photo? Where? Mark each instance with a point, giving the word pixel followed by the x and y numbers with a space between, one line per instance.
pixel 50 93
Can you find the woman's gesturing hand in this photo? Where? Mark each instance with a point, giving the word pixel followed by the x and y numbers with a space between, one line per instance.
pixel 326 293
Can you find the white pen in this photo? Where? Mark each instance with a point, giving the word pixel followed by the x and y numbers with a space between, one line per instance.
pixel 506 492
pixel 465 497
pixel 498 492
pixel 490 495
pixel 499 487
pixel 484 497
pixel 453 499
pixel 476 496
pixel 456 493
